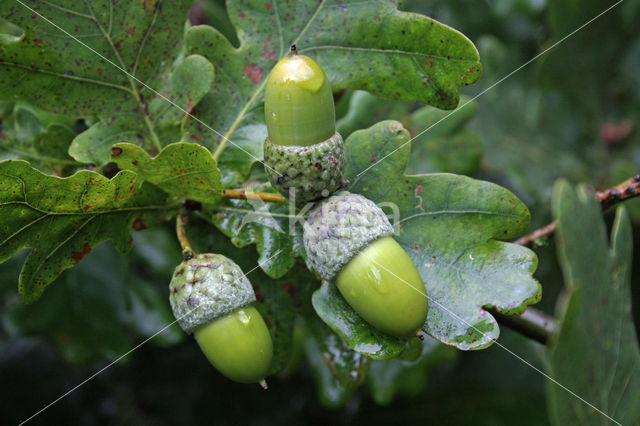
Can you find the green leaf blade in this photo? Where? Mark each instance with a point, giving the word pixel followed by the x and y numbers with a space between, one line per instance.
pixel 184 170
pixel 61 220
pixel 76 81
pixel 595 353
pixel 346 323
pixel 130 79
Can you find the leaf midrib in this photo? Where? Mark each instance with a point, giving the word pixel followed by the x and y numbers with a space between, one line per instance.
pixel 95 212
pixel 386 51
pixel 67 76
pixel 456 212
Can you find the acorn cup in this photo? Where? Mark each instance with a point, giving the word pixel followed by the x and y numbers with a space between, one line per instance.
pixel 303 150
pixel 211 298
pixel 348 241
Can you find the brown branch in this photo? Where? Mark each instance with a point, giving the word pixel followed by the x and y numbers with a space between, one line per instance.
pixel 529 239
pixel 623 191
pixel 533 323
pixel 241 194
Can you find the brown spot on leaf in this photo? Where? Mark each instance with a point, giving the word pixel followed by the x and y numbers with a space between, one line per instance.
pixel 115 151
pixel 289 288
pixel 86 207
pixel 78 256
pixel 268 53
pixel 139 224
pixel 131 31
pixel 259 296
pixel 254 72
pixel 268 6
pixel 150 6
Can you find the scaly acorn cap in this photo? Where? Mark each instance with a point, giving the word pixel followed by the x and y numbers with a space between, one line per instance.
pixel 206 287
pixel 338 228
pixel 314 171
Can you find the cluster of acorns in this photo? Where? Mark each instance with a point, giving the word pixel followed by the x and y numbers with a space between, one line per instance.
pixel 347 237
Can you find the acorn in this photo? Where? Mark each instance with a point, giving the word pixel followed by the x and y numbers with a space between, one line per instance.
pixel 303 150
pixel 349 241
pixel 212 298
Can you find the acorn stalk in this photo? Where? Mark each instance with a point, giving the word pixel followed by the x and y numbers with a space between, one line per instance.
pixel 303 151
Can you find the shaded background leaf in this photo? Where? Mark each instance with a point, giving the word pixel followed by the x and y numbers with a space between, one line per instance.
pixel 595 354
pixel 338 370
pixel 443 142
pixel 89 307
pixel 41 138
pixel 398 377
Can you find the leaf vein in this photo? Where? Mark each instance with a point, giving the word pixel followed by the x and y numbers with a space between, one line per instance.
pixel 67 76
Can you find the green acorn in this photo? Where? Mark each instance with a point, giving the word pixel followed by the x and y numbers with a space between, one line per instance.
pixel 211 298
pixel 348 240
pixel 303 150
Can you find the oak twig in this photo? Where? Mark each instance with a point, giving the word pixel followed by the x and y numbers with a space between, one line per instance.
pixel 623 191
pixel 533 323
pixel 242 194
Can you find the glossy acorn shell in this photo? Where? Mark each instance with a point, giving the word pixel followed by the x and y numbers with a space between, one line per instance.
pixel 238 345
pixel 299 107
pixel 382 284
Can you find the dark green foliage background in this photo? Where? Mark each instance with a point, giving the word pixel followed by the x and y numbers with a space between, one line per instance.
pixel 556 118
